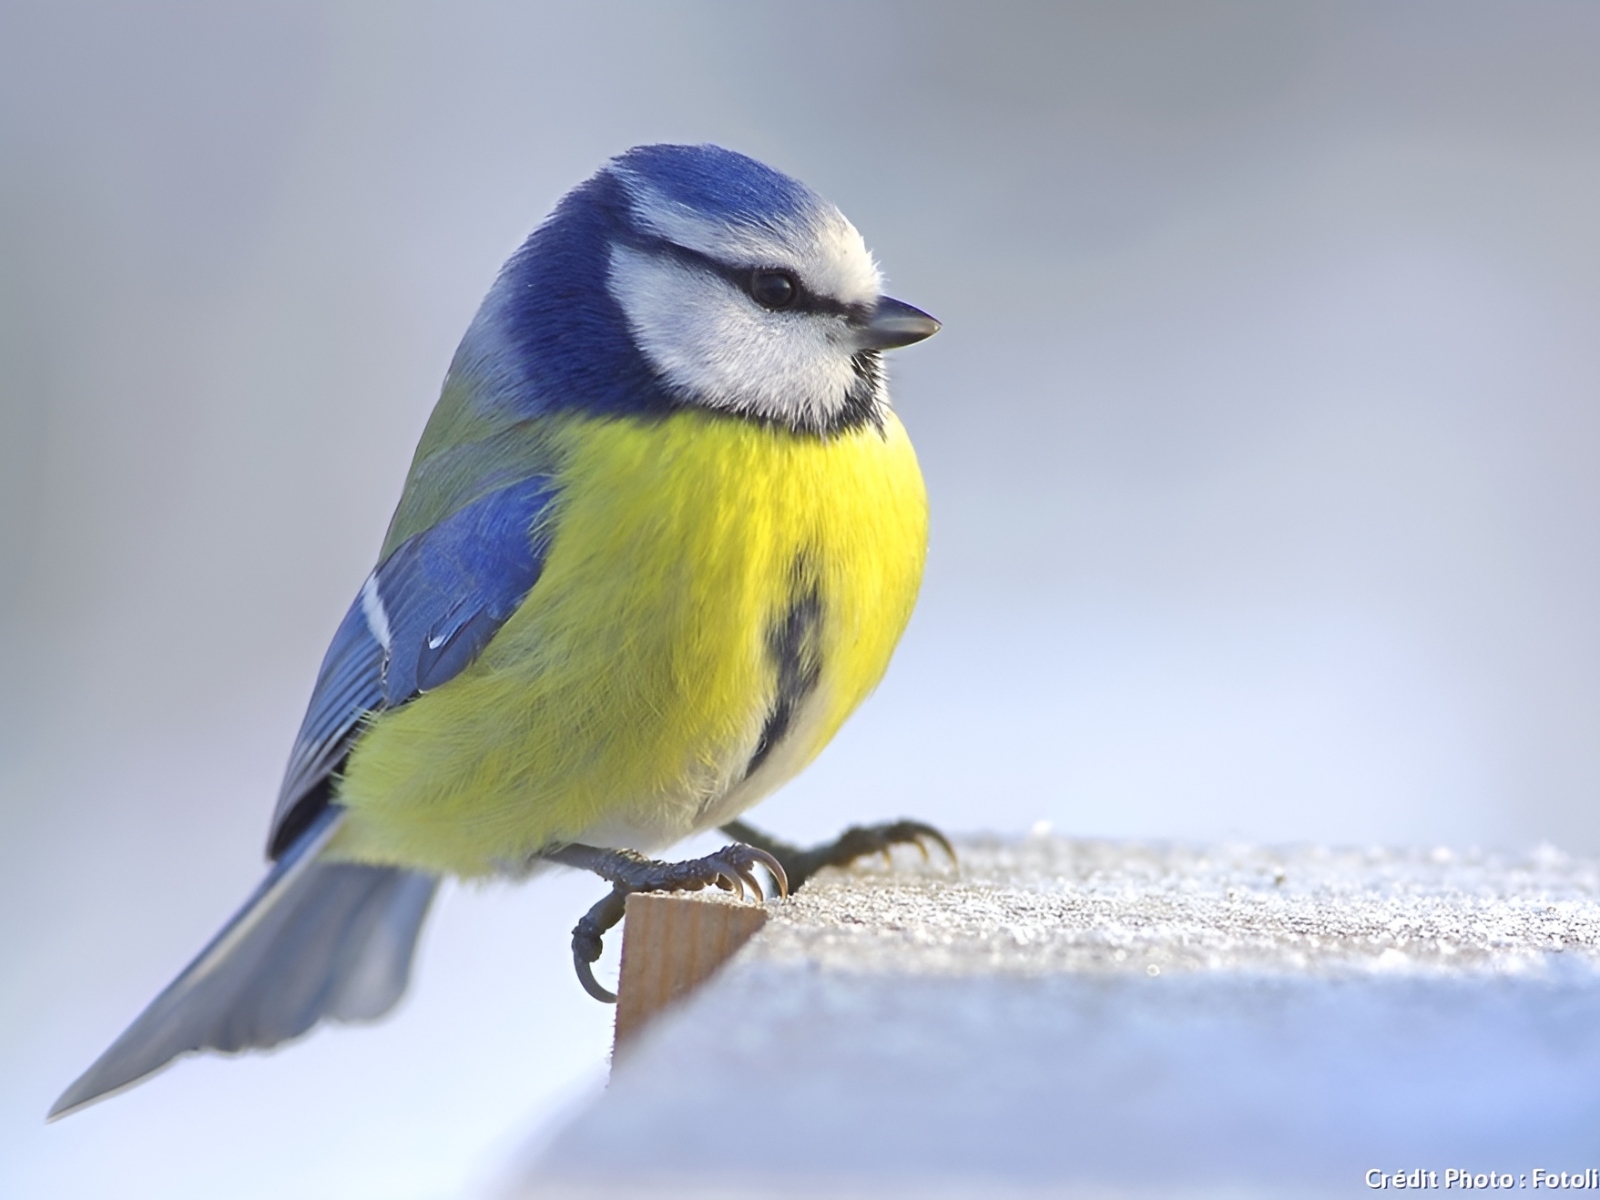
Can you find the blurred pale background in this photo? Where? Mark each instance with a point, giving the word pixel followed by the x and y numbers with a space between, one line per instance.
pixel 1261 439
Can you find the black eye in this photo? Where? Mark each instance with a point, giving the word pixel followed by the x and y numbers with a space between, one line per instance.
pixel 773 289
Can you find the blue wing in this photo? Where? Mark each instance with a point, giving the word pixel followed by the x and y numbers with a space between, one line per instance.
pixel 422 616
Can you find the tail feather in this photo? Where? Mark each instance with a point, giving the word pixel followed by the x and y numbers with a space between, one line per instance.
pixel 317 940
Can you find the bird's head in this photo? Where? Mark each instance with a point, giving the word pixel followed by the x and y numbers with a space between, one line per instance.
pixel 692 275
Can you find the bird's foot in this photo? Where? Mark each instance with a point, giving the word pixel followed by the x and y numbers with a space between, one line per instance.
pixel 859 841
pixel 730 868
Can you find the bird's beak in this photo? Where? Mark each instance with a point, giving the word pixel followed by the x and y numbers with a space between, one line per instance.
pixel 895 323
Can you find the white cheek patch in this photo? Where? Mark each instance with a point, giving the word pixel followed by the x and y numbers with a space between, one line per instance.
pixel 715 347
pixel 819 245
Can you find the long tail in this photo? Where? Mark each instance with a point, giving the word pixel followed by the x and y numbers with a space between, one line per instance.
pixel 317 940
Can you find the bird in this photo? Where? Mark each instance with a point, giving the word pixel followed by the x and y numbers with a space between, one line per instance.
pixel 660 537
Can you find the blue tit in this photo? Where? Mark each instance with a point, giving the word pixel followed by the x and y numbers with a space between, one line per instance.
pixel 659 539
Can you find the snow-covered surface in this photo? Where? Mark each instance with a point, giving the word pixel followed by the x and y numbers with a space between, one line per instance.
pixel 1104 1018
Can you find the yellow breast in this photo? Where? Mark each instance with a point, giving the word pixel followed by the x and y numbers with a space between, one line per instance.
pixel 717 598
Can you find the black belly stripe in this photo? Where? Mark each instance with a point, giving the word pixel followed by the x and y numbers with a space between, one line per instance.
pixel 794 643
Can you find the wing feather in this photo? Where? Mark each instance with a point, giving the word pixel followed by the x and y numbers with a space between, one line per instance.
pixel 423 615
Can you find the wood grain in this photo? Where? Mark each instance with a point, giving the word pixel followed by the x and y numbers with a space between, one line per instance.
pixel 672 944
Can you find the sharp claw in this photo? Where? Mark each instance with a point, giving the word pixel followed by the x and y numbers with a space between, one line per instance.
pixel 750 880
pixel 918 831
pixel 729 878
pixel 779 875
pixel 590 983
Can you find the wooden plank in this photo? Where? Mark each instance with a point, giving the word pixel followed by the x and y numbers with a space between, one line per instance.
pixel 670 945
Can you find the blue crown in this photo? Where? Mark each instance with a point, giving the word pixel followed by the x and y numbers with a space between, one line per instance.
pixel 719 183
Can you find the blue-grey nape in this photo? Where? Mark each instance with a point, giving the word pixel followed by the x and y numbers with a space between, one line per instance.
pixel 549 337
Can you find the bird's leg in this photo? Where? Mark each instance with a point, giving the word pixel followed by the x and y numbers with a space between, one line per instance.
pixel 858 841
pixel 628 872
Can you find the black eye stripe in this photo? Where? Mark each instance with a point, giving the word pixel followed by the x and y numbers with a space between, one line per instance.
pixel 804 301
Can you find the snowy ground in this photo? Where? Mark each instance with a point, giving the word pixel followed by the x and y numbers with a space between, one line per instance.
pixel 1108 1018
